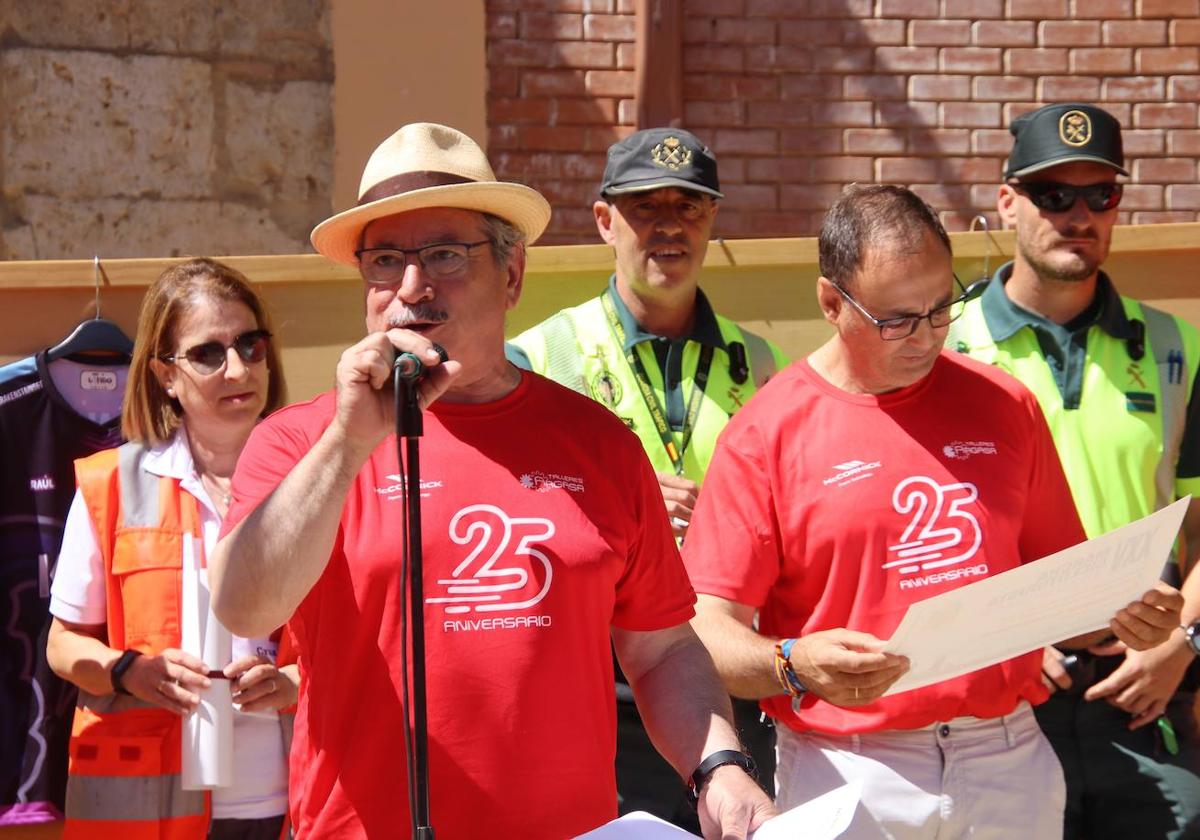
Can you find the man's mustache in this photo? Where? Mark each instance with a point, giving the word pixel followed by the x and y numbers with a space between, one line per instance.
pixel 1080 233
pixel 422 313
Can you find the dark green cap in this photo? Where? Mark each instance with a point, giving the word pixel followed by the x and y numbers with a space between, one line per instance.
pixel 655 158
pixel 1064 133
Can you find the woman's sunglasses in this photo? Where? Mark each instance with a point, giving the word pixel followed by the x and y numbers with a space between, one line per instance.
pixel 1059 198
pixel 211 356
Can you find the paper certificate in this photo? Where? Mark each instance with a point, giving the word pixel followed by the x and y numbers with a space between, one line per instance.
pixel 1075 591
pixel 823 818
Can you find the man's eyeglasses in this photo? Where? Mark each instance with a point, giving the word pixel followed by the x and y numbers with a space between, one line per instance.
pixel 1059 198
pixel 895 329
pixel 385 266
pixel 211 356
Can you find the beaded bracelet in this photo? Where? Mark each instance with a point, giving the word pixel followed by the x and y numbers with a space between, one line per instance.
pixel 784 673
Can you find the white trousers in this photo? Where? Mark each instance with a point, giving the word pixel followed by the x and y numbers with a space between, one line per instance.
pixel 968 777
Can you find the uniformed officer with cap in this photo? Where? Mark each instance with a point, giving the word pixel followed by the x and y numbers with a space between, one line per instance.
pixel 651 348
pixel 1116 380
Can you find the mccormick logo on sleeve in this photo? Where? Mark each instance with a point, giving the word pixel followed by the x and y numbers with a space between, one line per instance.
pixel 392 491
pixel 851 471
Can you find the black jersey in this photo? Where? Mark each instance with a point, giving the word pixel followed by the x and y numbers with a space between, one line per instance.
pixel 41 435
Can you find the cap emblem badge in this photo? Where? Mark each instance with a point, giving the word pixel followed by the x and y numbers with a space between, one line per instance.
pixel 1075 128
pixel 671 154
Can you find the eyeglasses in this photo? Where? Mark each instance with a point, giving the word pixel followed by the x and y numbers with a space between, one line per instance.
pixel 1054 197
pixel 895 329
pixel 211 356
pixel 385 266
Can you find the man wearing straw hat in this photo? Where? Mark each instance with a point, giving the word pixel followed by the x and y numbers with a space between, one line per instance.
pixel 537 551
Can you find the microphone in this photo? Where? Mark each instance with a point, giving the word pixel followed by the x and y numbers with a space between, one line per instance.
pixel 409 367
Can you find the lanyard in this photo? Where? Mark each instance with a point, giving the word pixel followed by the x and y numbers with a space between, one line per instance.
pixel 653 405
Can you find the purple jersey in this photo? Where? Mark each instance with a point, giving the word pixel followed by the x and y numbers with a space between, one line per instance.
pixel 41 435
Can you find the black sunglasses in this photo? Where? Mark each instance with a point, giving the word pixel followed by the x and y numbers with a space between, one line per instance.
pixel 1059 198
pixel 211 356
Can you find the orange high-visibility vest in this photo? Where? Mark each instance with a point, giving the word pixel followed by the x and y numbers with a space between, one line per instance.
pixel 125 755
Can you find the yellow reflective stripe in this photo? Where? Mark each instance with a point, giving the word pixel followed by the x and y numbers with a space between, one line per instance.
pixel 564 359
pixel 762 360
pixel 1164 337
pixel 131 798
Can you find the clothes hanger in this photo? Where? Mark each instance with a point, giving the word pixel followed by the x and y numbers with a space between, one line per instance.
pixel 98 338
pixel 975 289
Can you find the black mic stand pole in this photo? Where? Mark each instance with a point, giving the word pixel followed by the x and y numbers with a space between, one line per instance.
pixel 409 429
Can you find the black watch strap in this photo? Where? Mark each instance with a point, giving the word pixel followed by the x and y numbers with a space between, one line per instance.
pixel 117 672
pixel 711 763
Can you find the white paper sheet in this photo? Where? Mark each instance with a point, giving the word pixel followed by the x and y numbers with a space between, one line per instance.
pixel 823 818
pixel 1075 591
pixel 208 732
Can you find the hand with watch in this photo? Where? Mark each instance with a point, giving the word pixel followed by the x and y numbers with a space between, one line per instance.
pixel 727 797
pixel 169 680
pixel 1145 681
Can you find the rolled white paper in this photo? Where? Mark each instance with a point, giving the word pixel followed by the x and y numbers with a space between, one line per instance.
pixel 208 732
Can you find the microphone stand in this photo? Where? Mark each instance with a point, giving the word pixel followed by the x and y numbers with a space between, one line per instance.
pixel 409 430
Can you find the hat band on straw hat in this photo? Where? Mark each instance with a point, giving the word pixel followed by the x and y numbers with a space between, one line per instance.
pixel 409 181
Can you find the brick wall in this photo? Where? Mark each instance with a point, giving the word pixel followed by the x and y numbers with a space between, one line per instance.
pixel 201 128
pixel 800 97
pixel 560 92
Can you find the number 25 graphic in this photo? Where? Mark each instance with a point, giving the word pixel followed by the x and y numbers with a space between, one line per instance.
pixel 941 532
pixel 480 582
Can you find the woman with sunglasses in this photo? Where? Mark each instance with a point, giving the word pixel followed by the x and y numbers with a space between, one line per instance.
pixel 204 372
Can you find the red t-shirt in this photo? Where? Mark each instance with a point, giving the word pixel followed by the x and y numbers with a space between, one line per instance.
pixel 543 526
pixel 826 509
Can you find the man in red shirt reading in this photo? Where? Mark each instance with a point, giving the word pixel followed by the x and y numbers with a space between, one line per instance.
pixel 875 473
pixel 544 536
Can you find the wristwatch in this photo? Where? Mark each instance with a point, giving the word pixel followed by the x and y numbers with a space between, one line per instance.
pixel 117 673
pixel 1192 632
pixel 709 765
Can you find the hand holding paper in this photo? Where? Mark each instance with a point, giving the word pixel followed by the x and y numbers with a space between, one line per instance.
pixel 258 686
pixel 1147 622
pixel 172 680
pixel 1063 596
pixel 732 804
pixel 823 818
pixel 846 667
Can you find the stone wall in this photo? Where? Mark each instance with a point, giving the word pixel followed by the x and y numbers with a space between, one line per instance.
pixel 801 97
pixel 176 127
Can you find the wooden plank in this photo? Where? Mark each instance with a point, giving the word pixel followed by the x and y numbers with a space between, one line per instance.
pixel 74 274
pixel 768 284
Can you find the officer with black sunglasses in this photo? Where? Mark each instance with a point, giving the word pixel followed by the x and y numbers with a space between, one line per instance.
pixel 1116 381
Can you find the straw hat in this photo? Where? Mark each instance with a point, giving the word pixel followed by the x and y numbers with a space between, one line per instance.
pixel 428 165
